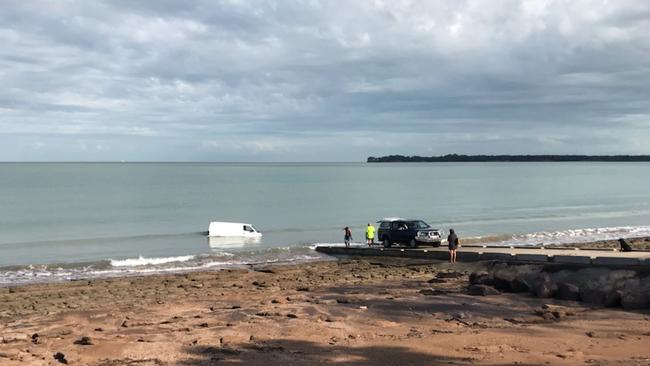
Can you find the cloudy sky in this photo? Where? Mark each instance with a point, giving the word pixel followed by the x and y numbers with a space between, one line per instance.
pixel 321 80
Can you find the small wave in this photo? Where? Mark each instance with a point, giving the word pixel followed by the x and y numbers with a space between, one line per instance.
pixel 141 261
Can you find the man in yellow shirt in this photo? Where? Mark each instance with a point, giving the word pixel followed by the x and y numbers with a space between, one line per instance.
pixel 370 235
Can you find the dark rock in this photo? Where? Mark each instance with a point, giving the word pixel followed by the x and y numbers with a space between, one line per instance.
pixel 61 358
pixel 634 300
pixel 99 329
pixel 342 301
pixel 432 291
pixel 519 285
pixel 264 270
pixel 544 290
pixel 436 280
pixel 303 289
pixel 291 315
pixel 84 341
pixel 483 279
pixel 502 282
pixel 474 276
pixel 35 338
pixel 481 290
pixel 554 312
pixel 613 298
pixel 568 291
pixel 125 324
pixel 593 296
pixel 451 274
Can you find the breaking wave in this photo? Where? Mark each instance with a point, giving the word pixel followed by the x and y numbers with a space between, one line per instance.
pixel 140 261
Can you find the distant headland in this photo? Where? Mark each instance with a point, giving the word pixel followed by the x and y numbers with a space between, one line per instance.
pixel 505 158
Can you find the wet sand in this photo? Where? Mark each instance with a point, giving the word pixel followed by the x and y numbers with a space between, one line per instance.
pixel 351 312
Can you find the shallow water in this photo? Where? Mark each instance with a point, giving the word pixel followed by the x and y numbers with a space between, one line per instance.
pixel 75 220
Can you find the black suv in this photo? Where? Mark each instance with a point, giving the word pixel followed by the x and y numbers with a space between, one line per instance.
pixel 407 232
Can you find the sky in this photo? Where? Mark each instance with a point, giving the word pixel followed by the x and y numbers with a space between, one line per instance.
pixel 163 80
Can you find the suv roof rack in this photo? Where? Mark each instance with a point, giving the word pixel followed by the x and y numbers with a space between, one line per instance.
pixel 392 219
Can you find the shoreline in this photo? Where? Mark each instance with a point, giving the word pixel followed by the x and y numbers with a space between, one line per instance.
pixel 641 243
pixel 369 311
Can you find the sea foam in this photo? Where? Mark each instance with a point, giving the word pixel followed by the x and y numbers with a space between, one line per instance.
pixel 141 261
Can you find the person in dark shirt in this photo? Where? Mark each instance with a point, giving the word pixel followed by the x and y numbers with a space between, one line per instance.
pixel 347 236
pixel 453 244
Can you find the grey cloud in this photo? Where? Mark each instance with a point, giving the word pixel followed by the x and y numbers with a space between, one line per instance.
pixel 222 80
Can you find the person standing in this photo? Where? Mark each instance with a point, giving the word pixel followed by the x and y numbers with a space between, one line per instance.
pixel 370 235
pixel 453 244
pixel 347 236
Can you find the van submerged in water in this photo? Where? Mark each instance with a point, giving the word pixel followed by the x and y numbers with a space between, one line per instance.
pixel 232 229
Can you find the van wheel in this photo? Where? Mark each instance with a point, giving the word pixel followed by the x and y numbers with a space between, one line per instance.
pixel 436 244
pixel 386 242
pixel 413 243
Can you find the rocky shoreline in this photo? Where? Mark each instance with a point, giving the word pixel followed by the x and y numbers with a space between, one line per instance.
pixel 629 289
pixel 367 311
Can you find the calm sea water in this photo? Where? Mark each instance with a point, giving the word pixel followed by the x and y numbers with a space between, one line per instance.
pixel 61 221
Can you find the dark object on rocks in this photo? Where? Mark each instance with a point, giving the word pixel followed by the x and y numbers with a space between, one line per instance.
pixel 304 289
pixel 593 296
pixel 432 291
pixel 625 247
pixel 519 285
pixel 481 278
pixel 544 290
pixel 61 358
pixel 125 324
pixel 35 338
pixel 634 300
pixel 568 291
pixel 482 290
pixel 84 341
pixel 292 316
pixel 613 298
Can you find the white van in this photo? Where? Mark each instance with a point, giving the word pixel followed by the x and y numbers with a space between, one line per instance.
pixel 232 229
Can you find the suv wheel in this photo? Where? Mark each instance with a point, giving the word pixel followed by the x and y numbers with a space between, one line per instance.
pixel 413 243
pixel 386 242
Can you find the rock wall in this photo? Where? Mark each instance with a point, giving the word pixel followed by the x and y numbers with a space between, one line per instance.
pixel 629 289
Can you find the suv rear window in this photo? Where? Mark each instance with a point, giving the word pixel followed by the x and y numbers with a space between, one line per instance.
pixel 419 225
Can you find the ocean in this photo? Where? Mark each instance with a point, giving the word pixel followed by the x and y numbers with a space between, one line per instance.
pixel 62 221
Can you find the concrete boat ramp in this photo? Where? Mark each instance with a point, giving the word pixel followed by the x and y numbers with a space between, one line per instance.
pixel 537 255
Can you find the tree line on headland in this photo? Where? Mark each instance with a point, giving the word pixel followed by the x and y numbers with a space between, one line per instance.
pixel 504 158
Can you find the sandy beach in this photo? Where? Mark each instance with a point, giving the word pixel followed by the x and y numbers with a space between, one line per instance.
pixel 351 312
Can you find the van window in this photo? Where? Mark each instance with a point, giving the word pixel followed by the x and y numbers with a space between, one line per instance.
pixel 385 225
pixel 248 228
